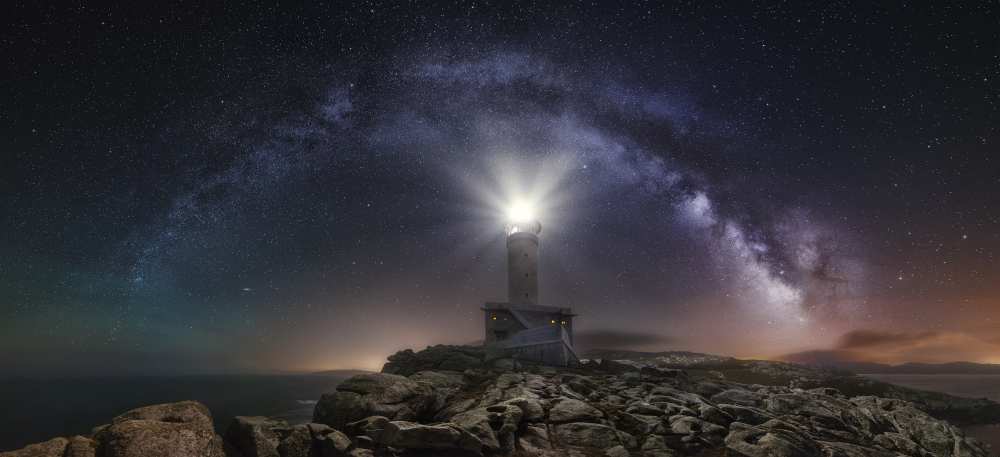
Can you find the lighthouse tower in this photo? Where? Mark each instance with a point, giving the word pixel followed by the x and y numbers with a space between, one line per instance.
pixel 522 326
pixel 522 262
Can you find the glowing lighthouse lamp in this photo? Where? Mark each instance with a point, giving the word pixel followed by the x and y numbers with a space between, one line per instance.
pixel 521 218
pixel 525 329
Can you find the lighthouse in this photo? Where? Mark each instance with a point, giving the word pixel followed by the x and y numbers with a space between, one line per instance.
pixel 522 262
pixel 522 326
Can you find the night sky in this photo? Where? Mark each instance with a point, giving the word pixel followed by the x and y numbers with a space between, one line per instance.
pixel 254 187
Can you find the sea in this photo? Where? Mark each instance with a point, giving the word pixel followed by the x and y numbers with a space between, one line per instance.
pixel 962 385
pixel 34 410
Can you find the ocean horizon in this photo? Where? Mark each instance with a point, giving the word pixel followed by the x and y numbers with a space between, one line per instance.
pixel 38 409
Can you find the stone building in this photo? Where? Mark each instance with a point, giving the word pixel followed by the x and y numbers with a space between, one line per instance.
pixel 521 326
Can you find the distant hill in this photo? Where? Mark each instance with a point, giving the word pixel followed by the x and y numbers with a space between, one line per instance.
pixel 339 373
pixel 845 361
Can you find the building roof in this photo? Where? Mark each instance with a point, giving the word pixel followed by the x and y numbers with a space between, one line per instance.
pixel 500 306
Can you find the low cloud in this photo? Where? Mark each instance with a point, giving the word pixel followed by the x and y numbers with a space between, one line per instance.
pixel 620 339
pixel 865 339
pixel 866 345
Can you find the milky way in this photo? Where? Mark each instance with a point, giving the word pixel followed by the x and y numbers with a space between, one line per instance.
pixel 319 199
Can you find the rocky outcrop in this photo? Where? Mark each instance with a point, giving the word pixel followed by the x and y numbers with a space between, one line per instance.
pixel 55 447
pixel 449 358
pixel 633 408
pixel 378 394
pixel 601 408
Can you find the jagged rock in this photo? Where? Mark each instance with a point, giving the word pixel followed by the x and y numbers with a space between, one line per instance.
pixel 833 449
pixel 189 412
pixel 531 409
pixel 937 437
pixel 641 407
pixel 51 448
pixel 371 427
pixel 739 397
pixel 77 446
pixel 493 425
pixel 654 373
pixel 441 357
pixel 617 451
pixel 619 366
pixel 81 446
pixel 447 436
pixel 329 442
pixel 182 429
pixel 714 415
pixel 438 380
pixel 337 409
pixel 584 434
pixel 754 441
pixel 572 410
pixel 255 436
pixel 636 424
pixel 376 394
pixel 382 388
pixel 298 442
pixel 534 440
pixel 745 414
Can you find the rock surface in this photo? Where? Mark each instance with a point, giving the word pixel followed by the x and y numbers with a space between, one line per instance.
pixel 182 429
pixel 448 405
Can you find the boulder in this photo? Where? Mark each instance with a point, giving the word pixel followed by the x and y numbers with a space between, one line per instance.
pixel 182 429
pixel 753 441
pixel 189 412
pixel 255 436
pixel 494 425
pixel 329 442
pixel 371 427
pixel 740 397
pixel 377 394
pixel 337 409
pixel 447 436
pixel 297 442
pixel 51 448
pixel 534 440
pixel 531 409
pixel 583 434
pixel 572 410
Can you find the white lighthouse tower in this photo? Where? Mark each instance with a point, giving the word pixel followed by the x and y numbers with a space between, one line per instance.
pixel 522 262
pixel 522 326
